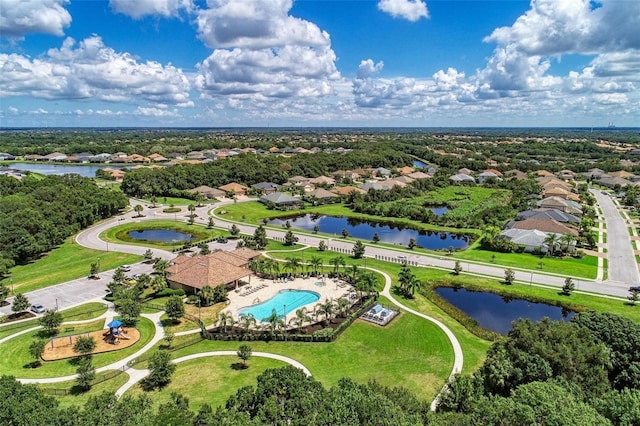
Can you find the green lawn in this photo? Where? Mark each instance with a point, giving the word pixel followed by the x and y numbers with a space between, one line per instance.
pixel 409 351
pixel 78 313
pixel 110 386
pixel 65 263
pixel 583 268
pixel 15 358
pixel 118 234
pixel 215 387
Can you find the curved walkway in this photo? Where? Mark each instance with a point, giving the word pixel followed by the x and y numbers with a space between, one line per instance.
pixel 136 376
pixel 458 357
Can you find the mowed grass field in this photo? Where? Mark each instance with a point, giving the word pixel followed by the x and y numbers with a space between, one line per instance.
pixel 68 262
pixel 410 351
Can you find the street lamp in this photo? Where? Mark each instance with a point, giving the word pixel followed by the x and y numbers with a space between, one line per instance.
pixel 56 304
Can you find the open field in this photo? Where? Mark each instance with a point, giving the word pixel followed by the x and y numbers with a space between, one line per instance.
pixel 68 262
pixel 209 380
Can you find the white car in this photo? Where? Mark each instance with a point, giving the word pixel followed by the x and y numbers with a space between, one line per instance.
pixel 38 309
pixel 125 268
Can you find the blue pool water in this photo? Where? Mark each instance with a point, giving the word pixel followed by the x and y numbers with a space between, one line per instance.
pixel 284 302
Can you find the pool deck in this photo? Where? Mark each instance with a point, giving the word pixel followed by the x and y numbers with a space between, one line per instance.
pixel 332 289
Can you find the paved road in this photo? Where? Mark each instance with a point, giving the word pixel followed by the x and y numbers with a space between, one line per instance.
pixel 340 245
pixel 622 266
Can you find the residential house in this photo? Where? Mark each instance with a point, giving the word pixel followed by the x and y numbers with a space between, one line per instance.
pixel 544 225
pixel 530 239
pixel 406 170
pixel 208 192
pixel 266 187
pixel 281 199
pixel 419 175
pixel 611 182
pixel 544 173
pixel 566 174
pixel 466 171
pixel 346 190
pixel 552 214
pixel 516 174
pixel 323 180
pixel 567 206
pixel 382 172
pixel 461 177
pixel 560 192
pixel 495 172
pixel 55 156
pixel 235 188
pixel 298 180
pixel 376 186
pixel 321 196
pixel 157 158
pixel 485 176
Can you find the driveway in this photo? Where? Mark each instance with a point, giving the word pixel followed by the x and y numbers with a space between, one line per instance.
pixel 622 266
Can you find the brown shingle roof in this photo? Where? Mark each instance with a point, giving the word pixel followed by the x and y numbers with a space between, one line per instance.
pixel 545 225
pixel 219 268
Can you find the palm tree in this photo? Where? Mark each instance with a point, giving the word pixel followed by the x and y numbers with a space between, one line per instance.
pixel 272 322
pixel 293 263
pixel 367 283
pixel 160 266
pixel 276 268
pixel 224 320
pixel 300 318
pixel 319 310
pixel 158 283
pixel 206 294
pixel 567 239
pixel 192 209
pixel 328 308
pixel 343 306
pixel 551 241
pixel 316 262
pixel 246 321
pixel 337 262
pixel 412 285
pixel 354 274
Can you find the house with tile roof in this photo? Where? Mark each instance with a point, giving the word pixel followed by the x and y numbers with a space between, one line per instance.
pixel 235 188
pixel 567 206
pixel 530 239
pixel 281 199
pixel 344 191
pixel 208 192
pixel 192 273
pixel 544 225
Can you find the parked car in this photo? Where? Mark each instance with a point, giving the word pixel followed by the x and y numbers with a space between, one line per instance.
pixel 222 240
pixel 125 268
pixel 38 309
pixel 634 288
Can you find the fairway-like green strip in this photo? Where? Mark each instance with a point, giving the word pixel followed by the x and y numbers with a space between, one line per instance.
pixel 213 388
pixel 569 266
pixel 68 262
pixel 15 358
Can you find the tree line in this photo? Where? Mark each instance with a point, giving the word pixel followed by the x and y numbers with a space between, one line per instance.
pixel 36 215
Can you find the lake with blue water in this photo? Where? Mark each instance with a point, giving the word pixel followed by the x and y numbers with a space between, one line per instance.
pixel 160 235
pixel 388 232
pixel 495 312
pixel 84 170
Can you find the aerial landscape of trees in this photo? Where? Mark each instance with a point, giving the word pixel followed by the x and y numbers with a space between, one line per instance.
pixel 36 215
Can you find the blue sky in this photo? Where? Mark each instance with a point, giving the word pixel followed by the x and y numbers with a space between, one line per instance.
pixel 219 63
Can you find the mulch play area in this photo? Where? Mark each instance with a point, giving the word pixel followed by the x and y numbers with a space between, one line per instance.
pixel 62 347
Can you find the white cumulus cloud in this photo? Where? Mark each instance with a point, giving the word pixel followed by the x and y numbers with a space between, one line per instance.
pixel 261 52
pixel 139 8
pixel 367 68
pixel 91 70
pixel 411 10
pixel 21 17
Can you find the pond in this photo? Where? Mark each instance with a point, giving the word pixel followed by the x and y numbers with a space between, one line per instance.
pixel 160 235
pixel 388 232
pixel 495 312
pixel 439 210
pixel 419 164
pixel 61 169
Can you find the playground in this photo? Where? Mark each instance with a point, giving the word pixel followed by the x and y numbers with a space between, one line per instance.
pixel 62 347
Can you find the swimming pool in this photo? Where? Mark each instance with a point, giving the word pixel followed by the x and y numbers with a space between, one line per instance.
pixel 284 302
